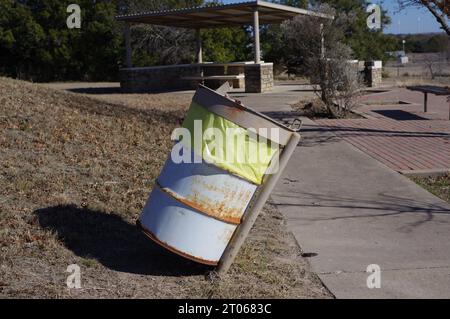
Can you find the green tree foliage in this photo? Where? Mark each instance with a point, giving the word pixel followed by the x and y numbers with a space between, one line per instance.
pixel 36 44
pixel 226 44
pixel 21 39
pixel 99 44
pixel 273 43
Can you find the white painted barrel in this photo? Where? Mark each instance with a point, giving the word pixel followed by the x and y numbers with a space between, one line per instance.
pixel 196 207
pixel 184 230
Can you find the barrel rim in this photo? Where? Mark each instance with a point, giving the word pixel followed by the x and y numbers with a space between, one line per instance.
pixel 250 110
pixel 227 108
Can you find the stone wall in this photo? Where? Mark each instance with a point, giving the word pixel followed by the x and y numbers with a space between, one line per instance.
pixel 258 77
pixel 159 78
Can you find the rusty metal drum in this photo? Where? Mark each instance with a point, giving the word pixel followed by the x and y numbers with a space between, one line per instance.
pixel 196 206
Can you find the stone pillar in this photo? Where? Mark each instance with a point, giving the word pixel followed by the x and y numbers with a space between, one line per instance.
pixel 258 77
pixel 373 73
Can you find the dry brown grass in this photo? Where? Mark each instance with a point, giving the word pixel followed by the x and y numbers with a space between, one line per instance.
pixel 75 173
pixel 438 185
pixel 314 108
pixel 404 81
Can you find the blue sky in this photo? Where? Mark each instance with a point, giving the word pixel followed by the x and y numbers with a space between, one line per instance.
pixel 411 20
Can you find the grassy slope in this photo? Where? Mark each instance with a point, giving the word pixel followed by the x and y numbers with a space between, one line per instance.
pixel 75 173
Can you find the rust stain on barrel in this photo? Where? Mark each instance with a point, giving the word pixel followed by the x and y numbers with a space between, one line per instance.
pixel 220 210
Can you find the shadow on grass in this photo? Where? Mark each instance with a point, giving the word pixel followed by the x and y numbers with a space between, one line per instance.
pixel 115 243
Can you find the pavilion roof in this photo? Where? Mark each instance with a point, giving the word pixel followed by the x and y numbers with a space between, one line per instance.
pixel 235 14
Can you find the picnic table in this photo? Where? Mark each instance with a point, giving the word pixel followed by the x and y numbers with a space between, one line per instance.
pixel 436 90
pixel 229 72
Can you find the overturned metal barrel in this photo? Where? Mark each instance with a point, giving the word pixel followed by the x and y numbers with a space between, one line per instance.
pixel 196 206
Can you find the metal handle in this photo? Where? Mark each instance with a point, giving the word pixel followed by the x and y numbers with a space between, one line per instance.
pixel 296 125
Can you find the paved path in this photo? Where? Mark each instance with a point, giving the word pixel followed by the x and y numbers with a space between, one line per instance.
pixel 401 99
pixel 353 211
pixel 278 100
pixel 400 135
pixel 405 146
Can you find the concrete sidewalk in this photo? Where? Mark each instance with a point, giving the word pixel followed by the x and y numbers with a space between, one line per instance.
pixel 352 211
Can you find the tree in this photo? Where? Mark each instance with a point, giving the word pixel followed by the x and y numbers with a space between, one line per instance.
pixel 332 70
pixel 366 44
pixel 35 43
pixel 20 39
pixel 272 42
pixel 440 9
pixel 226 44
pixel 98 46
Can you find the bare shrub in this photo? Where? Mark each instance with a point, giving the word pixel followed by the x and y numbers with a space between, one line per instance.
pixel 431 65
pixel 325 59
pixel 350 88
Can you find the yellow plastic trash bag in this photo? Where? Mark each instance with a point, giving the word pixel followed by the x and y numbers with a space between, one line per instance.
pixel 231 147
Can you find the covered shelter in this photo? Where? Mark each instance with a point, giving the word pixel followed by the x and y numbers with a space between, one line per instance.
pixel 258 76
